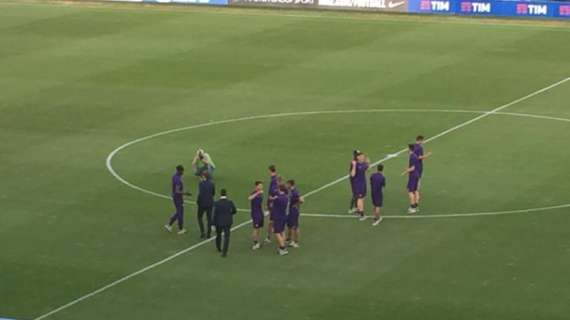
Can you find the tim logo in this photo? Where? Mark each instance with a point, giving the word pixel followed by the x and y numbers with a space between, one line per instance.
pixel 532 9
pixel 476 7
pixel 564 11
pixel 435 6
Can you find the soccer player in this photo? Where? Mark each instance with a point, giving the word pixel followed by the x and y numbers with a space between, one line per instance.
pixel 178 194
pixel 413 179
pixel 351 208
pixel 358 175
pixel 256 200
pixel 202 162
pixel 280 202
pixel 205 202
pixel 419 151
pixel 295 201
pixel 272 192
pixel 377 183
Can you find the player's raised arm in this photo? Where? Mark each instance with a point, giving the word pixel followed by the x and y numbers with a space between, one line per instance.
pixel 255 194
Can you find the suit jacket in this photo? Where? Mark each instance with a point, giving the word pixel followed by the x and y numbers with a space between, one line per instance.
pixel 224 210
pixel 206 192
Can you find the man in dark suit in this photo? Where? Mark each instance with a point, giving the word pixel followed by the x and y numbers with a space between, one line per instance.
pixel 224 210
pixel 205 202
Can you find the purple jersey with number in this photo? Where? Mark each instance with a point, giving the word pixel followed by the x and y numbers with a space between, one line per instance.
pixel 414 161
pixel 294 201
pixel 256 209
pixel 256 205
pixel 273 186
pixel 419 151
pixel 413 176
pixel 279 211
pixel 359 180
pixel 177 184
pixel 377 183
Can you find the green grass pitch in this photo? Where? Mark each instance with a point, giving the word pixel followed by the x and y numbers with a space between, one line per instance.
pixel 79 80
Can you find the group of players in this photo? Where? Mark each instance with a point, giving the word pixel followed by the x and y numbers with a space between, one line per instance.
pixel 357 177
pixel 284 200
pixel 283 208
pixel 283 205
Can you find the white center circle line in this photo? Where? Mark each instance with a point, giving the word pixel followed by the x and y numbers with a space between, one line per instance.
pixel 109 160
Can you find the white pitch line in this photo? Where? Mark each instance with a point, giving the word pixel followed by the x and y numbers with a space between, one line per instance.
pixel 446 132
pixel 199 244
pixel 134 274
pixel 444 215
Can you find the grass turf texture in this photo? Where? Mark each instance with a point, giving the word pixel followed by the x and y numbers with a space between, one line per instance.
pixel 78 81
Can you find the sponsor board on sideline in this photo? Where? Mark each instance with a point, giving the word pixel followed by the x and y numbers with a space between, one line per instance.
pixel 504 8
pixel 205 2
pixel 383 5
pixel 300 3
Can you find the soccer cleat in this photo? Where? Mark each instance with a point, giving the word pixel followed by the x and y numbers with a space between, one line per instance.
pixel 266 213
pixel 183 231
pixel 362 218
pixel 377 221
pixel 283 252
pixel 412 211
pixel 256 246
pixel 168 228
pixel 351 211
pixel 294 244
pixel 267 240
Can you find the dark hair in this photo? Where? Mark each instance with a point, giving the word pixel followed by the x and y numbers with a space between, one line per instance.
pixel 420 137
pixel 355 154
pixel 411 146
pixel 282 188
pixel 205 175
pixel 256 183
pixel 291 182
pixel 179 168
pixel 272 168
pixel 380 167
pixel 223 192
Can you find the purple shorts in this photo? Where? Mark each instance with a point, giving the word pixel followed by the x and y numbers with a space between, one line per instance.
pixel 257 221
pixel 293 220
pixel 278 226
pixel 358 191
pixel 413 184
pixel 377 201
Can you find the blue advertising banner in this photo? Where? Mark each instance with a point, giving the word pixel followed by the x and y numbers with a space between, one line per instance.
pixel 504 8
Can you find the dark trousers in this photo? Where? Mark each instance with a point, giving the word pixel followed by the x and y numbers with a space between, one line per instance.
pixel 178 215
pixel 208 212
pixel 226 230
